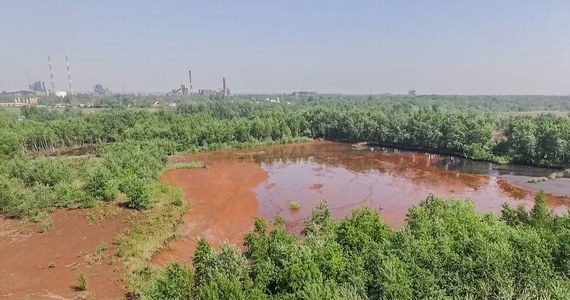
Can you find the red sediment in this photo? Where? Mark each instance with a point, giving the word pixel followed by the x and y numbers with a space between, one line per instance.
pixel 25 271
pixel 223 205
pixel 317 186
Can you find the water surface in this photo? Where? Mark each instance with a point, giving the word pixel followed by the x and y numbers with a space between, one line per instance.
pixel 387 179
pixel 242 183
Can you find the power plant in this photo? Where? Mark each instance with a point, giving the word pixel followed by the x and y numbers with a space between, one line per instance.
pixel 186 90
pixel 53 91
pixel 39 87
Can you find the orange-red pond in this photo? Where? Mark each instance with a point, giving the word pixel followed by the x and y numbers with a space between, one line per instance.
pixel 239 184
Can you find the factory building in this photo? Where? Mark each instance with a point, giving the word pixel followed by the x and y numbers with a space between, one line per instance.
pixel 207 92
pixel 304 94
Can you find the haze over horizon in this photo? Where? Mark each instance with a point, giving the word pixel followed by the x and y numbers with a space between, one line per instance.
pixel 352 47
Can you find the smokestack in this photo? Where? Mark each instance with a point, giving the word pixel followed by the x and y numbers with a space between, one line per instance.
pixel 51 76
pixel 190 86
pixel 225 86
pixel 68 74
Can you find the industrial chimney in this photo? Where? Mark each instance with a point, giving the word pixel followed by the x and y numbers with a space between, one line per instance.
pixel 225 86
pixel 68 75
pixel 51 76
pixel 190 86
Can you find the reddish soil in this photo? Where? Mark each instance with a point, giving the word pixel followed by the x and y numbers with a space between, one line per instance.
pixel 27 254
pixel 223 205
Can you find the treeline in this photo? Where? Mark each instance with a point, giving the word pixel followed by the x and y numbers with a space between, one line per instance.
pixel 449 103
pixel 540 140
pixel 446 250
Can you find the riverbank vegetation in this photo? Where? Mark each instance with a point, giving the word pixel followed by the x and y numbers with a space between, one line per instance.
pixel 446 250
pixel 431 257
pixel 535 140
pixel 132 145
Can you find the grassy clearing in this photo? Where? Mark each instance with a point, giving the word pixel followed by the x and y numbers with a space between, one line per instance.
pixel 241 145
pixel 192 165
pixel 151 231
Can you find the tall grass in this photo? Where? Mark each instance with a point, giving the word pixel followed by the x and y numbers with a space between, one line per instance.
pixel 150 232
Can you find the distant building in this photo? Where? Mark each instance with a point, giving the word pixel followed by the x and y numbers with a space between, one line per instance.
pixel 38 87
pixel 304 94
pixel 184 88
pixel 100 90
pixel 208 92
pixel 21 102
pixel 61 94
pixel 411 92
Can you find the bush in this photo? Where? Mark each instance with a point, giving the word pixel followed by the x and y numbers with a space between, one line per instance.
pixel 176 282
pixel 138 193
pixel 101 184
pixel 42 170
pixel 69 195
pixel 81 284
pixel 294 205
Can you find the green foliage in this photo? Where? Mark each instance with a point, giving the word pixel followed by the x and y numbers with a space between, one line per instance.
pixel 101 184
pixel 435 124
pixel 10 142
pixel 192 165
pixel 150 232
pixel 446 250
pixel 294 205
pixel 82 283
pixel 176 282
pixel 42 170
pixel 138 193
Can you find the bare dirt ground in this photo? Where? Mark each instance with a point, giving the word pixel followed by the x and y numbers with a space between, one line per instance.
pixel 223 206
pixel 36 265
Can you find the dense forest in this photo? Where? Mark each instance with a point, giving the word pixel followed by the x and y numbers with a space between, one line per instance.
pixel 537 140
pixel 446 249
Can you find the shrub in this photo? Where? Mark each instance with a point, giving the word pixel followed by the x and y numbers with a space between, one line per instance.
pixel 101 184
pixel 81 284
pixel 294 205
pixel 138 193
pixel 70 195
pixel 176 282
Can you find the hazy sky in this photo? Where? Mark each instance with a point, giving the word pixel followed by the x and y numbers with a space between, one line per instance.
pixel 442 47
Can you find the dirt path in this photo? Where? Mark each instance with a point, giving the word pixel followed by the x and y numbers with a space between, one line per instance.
pixel 223 205
pixel 71 245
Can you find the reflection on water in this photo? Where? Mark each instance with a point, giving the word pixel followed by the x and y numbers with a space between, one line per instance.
pixel 239 184
pixel 465 165
pixel 387 179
